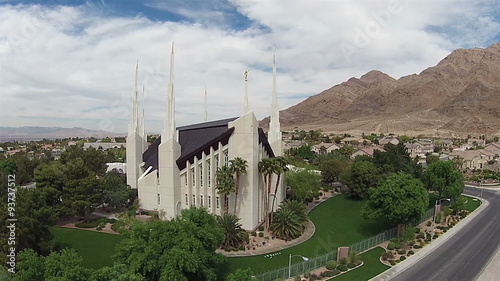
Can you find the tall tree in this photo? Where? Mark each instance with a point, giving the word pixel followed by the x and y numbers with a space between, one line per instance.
pixel 303 184
pixel 360 177
pixel 279 168
pixel 400 198
pixel 161 250
pixel 225 184
pixel 266 169
pixel 239 167
pixel 443 177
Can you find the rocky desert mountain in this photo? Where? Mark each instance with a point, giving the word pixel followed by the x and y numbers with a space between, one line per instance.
pixel 458 96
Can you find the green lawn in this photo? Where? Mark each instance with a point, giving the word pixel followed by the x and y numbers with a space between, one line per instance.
pixel 338 223
pixel 472 203
pixel 96 248
pixel 371 267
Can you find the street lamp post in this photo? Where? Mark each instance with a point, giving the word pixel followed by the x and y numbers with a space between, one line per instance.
pixel 290 263
pixel 435 206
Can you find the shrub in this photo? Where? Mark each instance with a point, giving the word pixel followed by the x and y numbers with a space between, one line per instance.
pixel 261 228
pixel 397 245
pixel 434 236
pixel 401 252
pixel 390 255
pixel 351 265
pixel 306 275
pixel 411 252
pixel 392 262
pixel 314 276
pixel 421 235
pixel 429 223
pixel 385 256
pixel 417 246
pixel 343 261
pixel 342 267
pixel 254 233
pixel 335 272
pixel 402 258
pixel 330 265
pixel 261 234
pixel 394 240
pixel 416 230
pixel 391 246
pixel 297 278
pixel 117 226
pixel 411 243
pixel 101 225
pixel 88 223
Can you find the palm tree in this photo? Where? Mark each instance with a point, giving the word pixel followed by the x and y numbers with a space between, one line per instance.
pixel 225 184
pixel 239 167
pixel 266 169
pixel 298 208
pixel 236 236
pixel 286 225
pixel 279 167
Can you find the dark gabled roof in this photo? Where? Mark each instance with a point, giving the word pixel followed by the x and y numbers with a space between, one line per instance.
pixel 265 142
pixel 198 138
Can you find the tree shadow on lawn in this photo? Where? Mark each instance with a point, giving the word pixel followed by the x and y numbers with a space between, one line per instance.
pixel 373 227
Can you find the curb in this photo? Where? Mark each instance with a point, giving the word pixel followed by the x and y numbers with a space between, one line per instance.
pixel 395 270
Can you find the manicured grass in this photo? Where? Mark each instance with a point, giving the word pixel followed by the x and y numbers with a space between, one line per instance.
pixel 472 203
pixel 96 248
pixel 338 223
pixel 371 267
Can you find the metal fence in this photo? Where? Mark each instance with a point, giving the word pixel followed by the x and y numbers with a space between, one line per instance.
pixel 320 261
pixel 297 268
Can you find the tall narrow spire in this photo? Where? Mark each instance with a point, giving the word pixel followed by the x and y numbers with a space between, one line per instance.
pixel 143 128
pixel 169 129
pixel 245 100
pixel 134 118
pixel 206 109
pixel 274 124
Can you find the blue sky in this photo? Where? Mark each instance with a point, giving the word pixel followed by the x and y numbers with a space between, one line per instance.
pixel 71 63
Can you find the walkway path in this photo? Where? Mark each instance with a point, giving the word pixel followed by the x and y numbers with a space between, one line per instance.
pixel 308 233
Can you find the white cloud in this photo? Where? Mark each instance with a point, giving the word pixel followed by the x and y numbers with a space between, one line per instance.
pixel 73 66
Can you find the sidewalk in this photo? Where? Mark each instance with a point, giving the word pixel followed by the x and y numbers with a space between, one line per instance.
pixel 308 233
pixel 395 270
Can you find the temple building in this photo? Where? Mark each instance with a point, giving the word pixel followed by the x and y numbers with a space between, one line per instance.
pixel 178 169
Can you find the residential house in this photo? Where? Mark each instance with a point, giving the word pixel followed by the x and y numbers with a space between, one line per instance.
pixel 367 151
pixel 329 147
pixel 493 148
pixel 103 145
pixel 473 159
pixel 419 148
pixel 351 141
pixel 387 140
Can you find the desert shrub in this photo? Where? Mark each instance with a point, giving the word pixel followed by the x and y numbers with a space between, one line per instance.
pixel 392 262
pixel 254 233
pixel 351 265
pixel 401 252
pixel 410 252
pixel 394 240
pixel 344 261
pixel 330 265
pixel 397 245
pixel 417 246
pixel 314 276
pixel 402 258
pixel 429 223
pixel 306 275
pixel 261 228
pixel 335 272
pixel 435 236
pixel 297 278
pixel 391 246
pixel 390 255
pixel 261 234
pixel 118 226
pixel 385 256
pixel 342 267
pixel 421 235
pixel 411 243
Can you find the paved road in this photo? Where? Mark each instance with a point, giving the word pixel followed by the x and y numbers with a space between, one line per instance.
pixel 464 255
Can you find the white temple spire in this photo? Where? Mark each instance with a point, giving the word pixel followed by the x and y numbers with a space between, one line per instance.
pixel 245 100
pixel 134 118
pixel 274 124
pixel 169 127
pixel 206 110
pixel 143 128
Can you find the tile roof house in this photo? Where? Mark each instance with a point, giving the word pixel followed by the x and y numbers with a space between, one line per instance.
pixel 368 151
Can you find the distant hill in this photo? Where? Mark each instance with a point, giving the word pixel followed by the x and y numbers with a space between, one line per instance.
pixel 13 133
pixel 460 95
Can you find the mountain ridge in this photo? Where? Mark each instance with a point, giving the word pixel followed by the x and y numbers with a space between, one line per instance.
pixel 459 95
